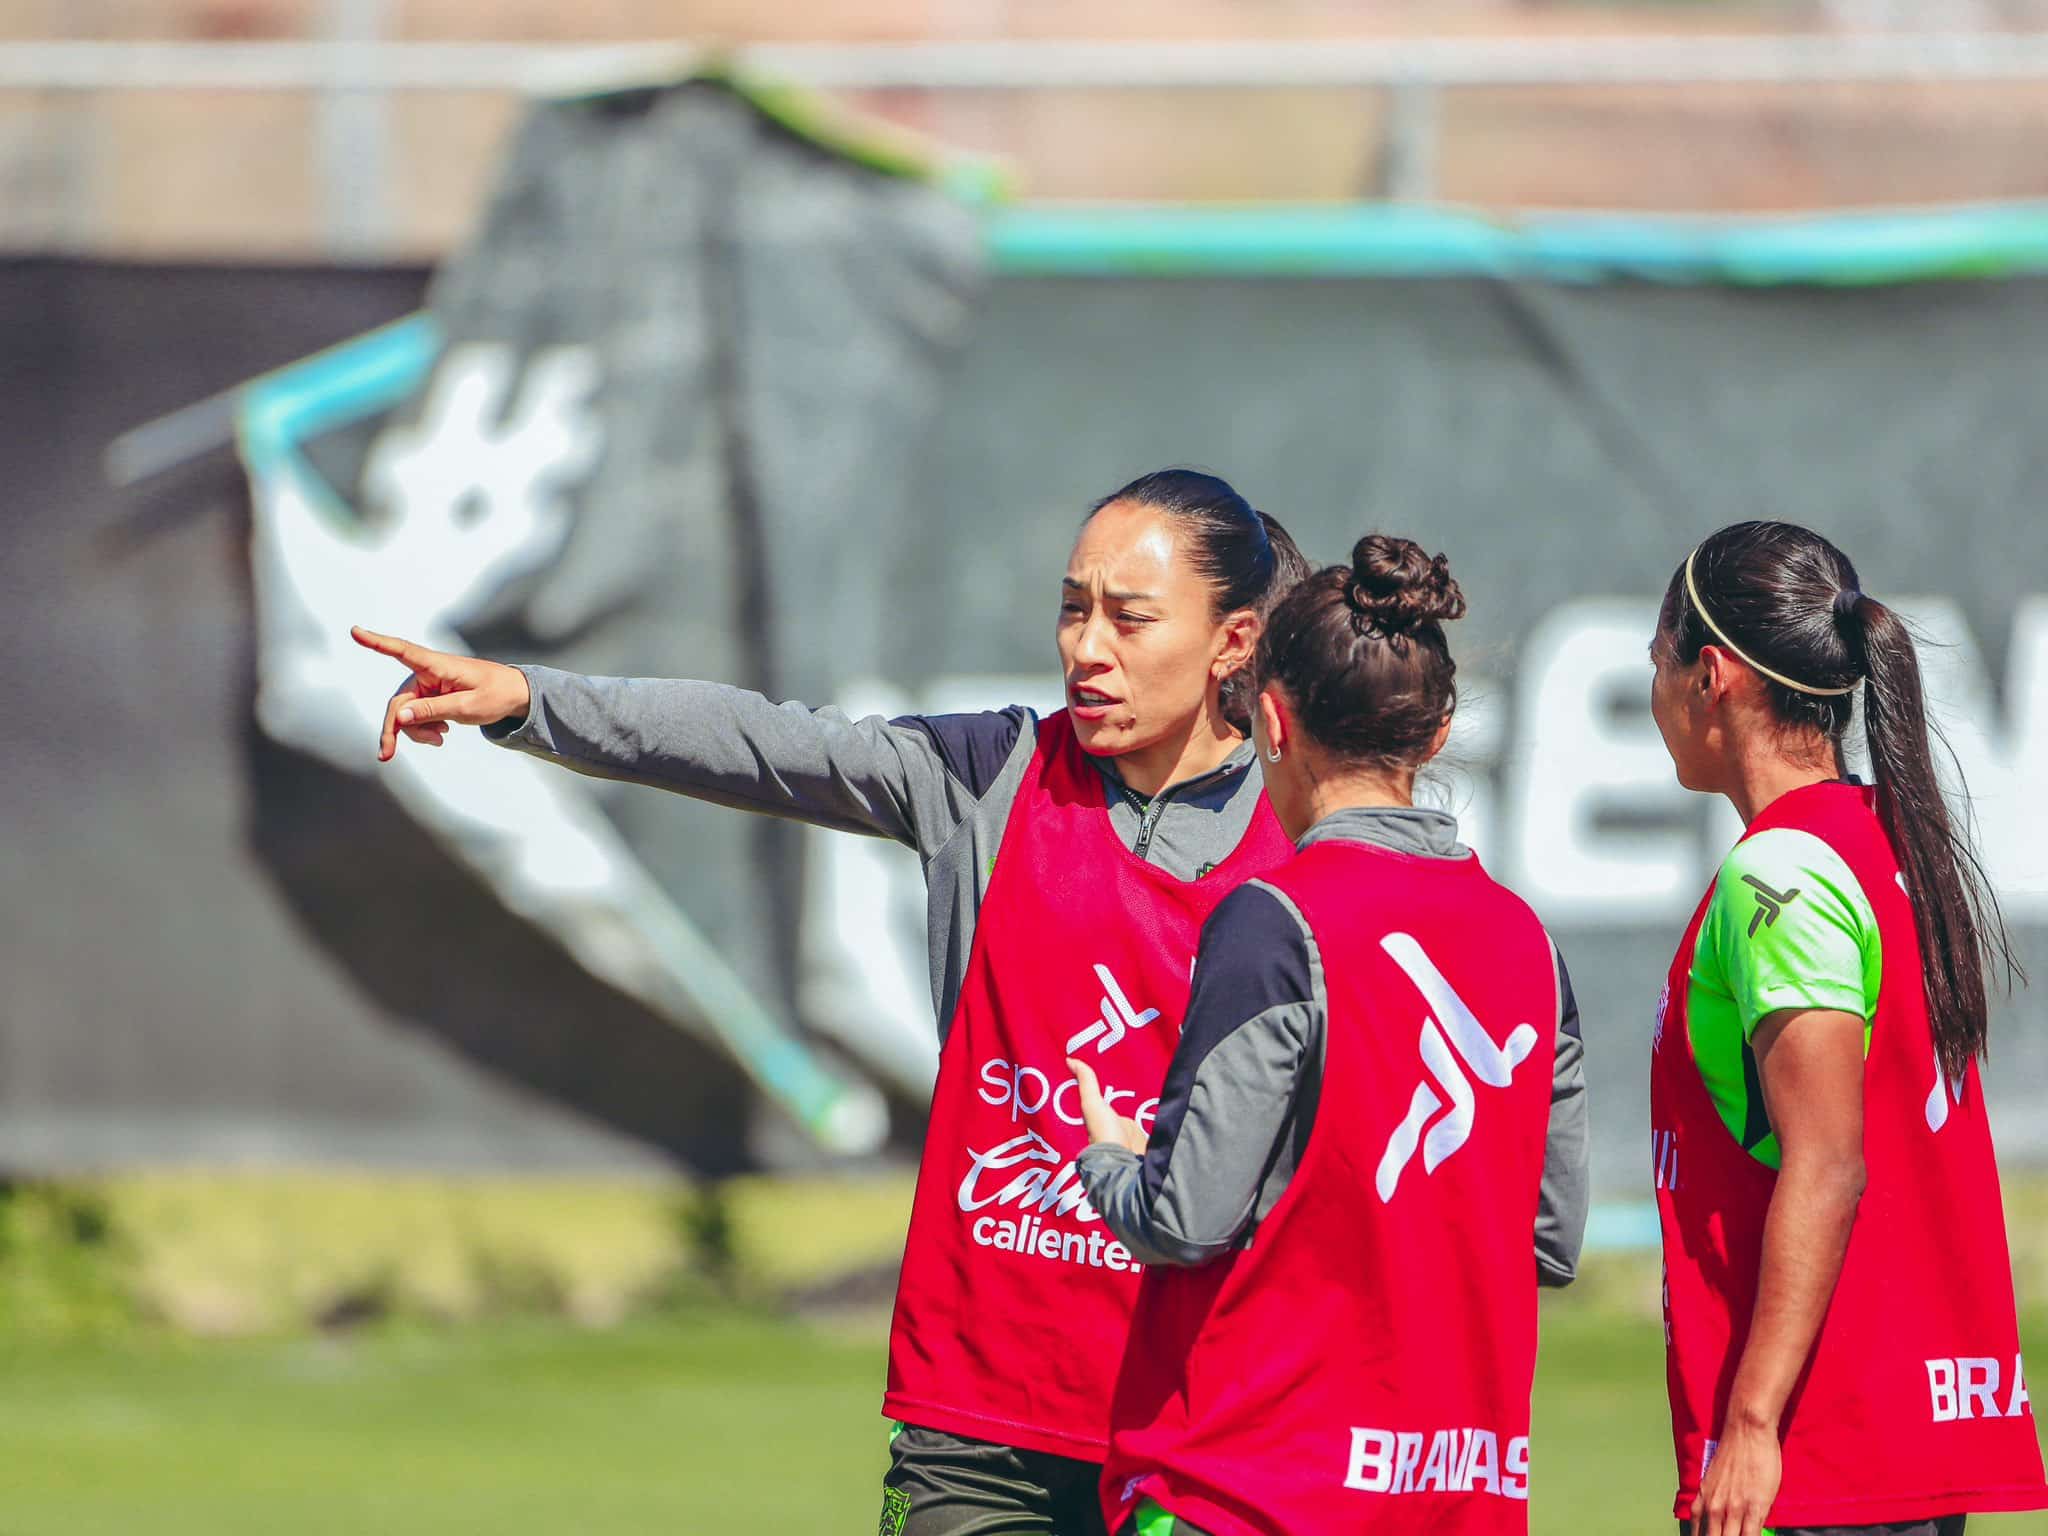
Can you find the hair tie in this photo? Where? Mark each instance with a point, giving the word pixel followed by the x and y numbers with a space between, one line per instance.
pixel 1845 603
pixel 1692 591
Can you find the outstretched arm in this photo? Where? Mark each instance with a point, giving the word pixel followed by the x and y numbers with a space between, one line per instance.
pixel 911 780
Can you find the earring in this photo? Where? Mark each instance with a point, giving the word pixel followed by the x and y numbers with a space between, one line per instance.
pixel 1273 756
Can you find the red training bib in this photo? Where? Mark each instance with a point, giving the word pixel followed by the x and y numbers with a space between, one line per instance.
pixel 1014 1301
pixel 1914 1403
pixel 1365 1362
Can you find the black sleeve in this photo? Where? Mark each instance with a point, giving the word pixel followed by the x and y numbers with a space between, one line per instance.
pixel 973 748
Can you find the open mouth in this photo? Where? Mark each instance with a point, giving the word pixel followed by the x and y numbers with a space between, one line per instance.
pixel 1090 703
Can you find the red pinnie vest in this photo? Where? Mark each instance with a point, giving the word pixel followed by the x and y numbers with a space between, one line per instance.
pixel 1365 1362
pixel 1014 1299
pixel 1913 1404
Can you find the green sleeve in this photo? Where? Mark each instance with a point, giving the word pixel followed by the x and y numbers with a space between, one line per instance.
pixel 1791 928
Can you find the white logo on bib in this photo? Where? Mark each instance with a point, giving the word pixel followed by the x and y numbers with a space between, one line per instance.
pixel 1493 1065
pixel 1118 1017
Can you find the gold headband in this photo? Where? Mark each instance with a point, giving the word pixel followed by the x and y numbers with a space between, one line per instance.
pixel 1740 655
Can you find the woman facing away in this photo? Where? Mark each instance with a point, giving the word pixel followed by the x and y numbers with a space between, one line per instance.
pixel 1843 1349
pixel 1376 1100
pixel 1071 862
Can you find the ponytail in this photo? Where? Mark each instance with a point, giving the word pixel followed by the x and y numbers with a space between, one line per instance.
pixel 1962 934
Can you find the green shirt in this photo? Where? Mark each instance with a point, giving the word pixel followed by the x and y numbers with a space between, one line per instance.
pixel 1789 927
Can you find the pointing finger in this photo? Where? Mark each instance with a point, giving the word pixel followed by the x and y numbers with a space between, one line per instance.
pixel 388 645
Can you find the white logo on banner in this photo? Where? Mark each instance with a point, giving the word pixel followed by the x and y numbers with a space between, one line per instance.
pixel 473 496
pixel 1493 1065
pixel 1118 1017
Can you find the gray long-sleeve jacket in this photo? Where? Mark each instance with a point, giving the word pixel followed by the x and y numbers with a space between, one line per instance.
pixel 1245 1085
pixel 944 785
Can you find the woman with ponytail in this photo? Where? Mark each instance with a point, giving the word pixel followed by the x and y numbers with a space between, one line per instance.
pixel 1071 861
pixel 1843 1351
pixel 1376 1104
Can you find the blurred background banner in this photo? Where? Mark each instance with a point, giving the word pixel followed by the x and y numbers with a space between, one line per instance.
pixel 722 390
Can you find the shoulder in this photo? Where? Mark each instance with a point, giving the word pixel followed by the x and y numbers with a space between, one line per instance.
pixel 1791 927
pixel 1789 876
pixel 1258 950
pixel 976 748
pixel 1257 963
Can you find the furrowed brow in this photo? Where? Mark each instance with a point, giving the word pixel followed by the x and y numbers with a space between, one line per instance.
pixel 1072 585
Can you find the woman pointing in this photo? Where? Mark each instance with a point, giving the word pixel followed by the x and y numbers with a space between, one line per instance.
pixel 1071 862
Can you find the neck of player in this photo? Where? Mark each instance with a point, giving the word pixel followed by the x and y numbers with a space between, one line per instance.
pixel 1360 790
pixel 1763 771
pixel 1204 746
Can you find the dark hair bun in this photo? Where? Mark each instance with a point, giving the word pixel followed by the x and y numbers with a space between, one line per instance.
pixel 1398 588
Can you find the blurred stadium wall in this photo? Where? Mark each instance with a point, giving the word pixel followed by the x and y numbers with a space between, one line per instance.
pixel 137 165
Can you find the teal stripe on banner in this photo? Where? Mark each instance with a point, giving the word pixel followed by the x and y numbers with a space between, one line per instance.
pixel 329 389
pixel 1338 240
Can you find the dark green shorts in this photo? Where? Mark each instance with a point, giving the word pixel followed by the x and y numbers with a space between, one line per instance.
pixel 946 1485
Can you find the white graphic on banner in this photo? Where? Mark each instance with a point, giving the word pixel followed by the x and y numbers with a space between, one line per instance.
pixel 1494 1066
pixel 460 505
pixel 1602 831
pixel 476 487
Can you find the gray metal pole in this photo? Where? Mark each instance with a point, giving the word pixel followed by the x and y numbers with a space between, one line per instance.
pixel 1408 169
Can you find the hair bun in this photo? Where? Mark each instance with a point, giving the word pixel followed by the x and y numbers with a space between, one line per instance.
pixel 1398 587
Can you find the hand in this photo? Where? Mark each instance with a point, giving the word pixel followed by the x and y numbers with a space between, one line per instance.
pixel 443 690
pixel 1741 1483
pixel 1105 1125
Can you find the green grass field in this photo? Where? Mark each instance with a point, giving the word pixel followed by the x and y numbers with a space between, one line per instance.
pixel 709 1422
